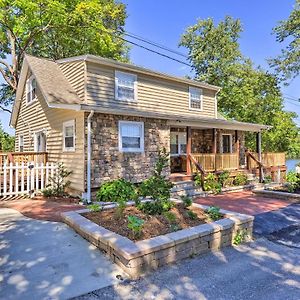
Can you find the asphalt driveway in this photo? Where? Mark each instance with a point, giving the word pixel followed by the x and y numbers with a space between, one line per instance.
pixel 259 270
pixel 268 268
pixel 48 260
pixel 280 226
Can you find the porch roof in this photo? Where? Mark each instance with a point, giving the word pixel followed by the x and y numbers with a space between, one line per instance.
pixel 180 120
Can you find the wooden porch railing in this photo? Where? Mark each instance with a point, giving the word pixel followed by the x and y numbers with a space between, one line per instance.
pixel 269 159
pixel 19 157
pixel 216 162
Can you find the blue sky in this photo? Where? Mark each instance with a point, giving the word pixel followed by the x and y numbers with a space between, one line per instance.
pixel 165 21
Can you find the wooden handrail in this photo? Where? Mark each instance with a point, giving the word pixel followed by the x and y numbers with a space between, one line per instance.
pixel 250 154
pixel 199 168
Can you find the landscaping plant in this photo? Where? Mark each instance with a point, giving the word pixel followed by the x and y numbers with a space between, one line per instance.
pixel 170 217
pixel 95 207
pixel 240 179
pixel 157 187
pixel 187 201
pixel 192 215
pixel 119 211
pixel 240 237
pixel 212 184
pixel 223 178
pixel 293 181
pixel 58 184
pixel 214 213
pixel 135 224
pixel 116 191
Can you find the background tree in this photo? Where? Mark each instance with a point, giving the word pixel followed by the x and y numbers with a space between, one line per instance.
pixel 7 142
pixel 248 93
pixel 288 63
pixel 56 29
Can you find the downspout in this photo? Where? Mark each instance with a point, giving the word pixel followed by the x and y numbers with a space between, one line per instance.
pixel 89 154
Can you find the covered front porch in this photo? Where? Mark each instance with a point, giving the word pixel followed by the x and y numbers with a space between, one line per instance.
pixel 200 149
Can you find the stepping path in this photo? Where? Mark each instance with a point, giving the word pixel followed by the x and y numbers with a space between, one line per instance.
pixel 38 209
pixel 48 260
pixel 244 202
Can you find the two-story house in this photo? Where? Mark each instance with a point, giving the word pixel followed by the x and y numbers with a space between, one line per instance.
pixel 106 119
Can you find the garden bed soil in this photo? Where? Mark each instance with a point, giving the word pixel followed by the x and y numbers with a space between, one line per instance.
pixel 66 200
pixel 153 225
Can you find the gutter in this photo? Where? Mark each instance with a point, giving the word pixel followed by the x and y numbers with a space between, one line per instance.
pixel 89 148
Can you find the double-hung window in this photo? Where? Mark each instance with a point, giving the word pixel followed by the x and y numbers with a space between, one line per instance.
pixel 196 101
pixel 30 89
pixel 125 86
pixel 69 136
pixel 131 136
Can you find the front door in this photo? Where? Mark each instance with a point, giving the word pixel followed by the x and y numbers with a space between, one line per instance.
pixel 178 151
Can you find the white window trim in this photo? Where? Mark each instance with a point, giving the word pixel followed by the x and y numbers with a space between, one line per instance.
pixel 117 85
pixel 141 149
pixel 28 86
pixel 35 140
pixel 201 98
pixel 65 124
pixel 230 141
pixel 179 153
pixel 21 136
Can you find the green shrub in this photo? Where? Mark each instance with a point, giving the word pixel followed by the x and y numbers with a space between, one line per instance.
pixel 223 178
pixel 240 237
pixel 187 201
pixel 175 227
pixel 268 179
pixel 135 224
pixel 214 213
pixel 118 190
pixel 157 187
pixel 192 215
pixel 47 192
pixel 293 181
pixel 240 179
pixel 94 207
pixel 155 207
pixel 119 210
pixel 57 183
pixel 170 217
pixel 212 184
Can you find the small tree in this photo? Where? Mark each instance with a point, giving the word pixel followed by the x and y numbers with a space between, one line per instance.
pixel 58 183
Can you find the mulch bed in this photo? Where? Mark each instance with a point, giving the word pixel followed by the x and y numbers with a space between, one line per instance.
pixel 67 200
pixel 153 225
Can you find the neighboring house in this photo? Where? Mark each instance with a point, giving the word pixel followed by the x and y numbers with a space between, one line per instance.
pixel 132 112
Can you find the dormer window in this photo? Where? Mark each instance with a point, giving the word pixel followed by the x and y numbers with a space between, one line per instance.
pixel 125 86
pixel 30 89
pixel 195 96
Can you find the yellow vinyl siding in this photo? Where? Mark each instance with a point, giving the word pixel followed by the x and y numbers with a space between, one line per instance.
pixel 75 73
pixel 155 95
pixel 38 116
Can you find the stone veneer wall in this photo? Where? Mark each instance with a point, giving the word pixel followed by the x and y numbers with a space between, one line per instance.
pixel 202 140
pixel 109 163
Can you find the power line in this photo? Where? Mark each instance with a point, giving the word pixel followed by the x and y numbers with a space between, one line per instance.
pixel 155 44
pixel 156 52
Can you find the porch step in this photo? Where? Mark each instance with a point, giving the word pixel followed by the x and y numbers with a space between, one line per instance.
pixel 186 188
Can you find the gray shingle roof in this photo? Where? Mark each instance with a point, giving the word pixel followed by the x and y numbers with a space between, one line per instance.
pixel 52 82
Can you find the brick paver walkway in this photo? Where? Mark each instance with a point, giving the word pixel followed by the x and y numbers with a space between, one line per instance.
pixel 244 202
pixel 38 209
